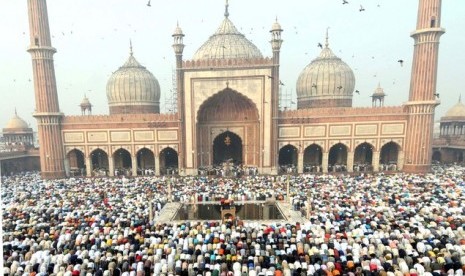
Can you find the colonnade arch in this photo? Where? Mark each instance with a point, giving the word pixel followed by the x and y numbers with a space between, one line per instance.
pixel 122 162
pixel 99 163
pixel 145 162
pixel 363 157
pixel 313 158
pixel 288 158
pixel 77 163
pixel 337 158
pixel 389 156
pixel 169 161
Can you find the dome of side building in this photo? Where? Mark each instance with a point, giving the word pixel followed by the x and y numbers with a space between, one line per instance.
pixel 133 89
pixel 326 82
pixel 456 112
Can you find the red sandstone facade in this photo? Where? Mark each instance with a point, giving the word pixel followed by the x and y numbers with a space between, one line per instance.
pixel 228 109
pixel 47 112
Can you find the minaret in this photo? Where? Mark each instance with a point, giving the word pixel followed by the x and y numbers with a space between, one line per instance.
pixel 178 47
pixel 422 97
pixel 276 43
pixel 47 111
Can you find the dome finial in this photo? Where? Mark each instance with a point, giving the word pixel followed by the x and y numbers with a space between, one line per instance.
pixel 130 47
pixel 327 38
pixel 226 11
pixel 16 113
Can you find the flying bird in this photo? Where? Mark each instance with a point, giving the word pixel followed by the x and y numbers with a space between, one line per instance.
pixel 148 4
pixel 344 2
pixel 270 77
pixel 437 95
pixel 320 45
pixel 281 83
pixel 314 85
pixel 361 8
pixel 339 87
pixel 358 92
pixel 401 61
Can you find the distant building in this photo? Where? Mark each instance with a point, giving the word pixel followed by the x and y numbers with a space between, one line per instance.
pixel 17 135
pixel 17 151
pixel 228 111
pixel 449 147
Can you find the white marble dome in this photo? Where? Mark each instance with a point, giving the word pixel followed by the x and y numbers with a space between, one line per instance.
pixel 16 123
pixel 228 43
pixel 458 110
pixel 133 89
pixel 326 82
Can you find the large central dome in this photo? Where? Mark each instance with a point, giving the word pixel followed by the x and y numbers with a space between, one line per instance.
pixel 227 42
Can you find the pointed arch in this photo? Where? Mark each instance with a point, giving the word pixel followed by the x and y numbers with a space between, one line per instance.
pixel 227 105
pixel 228 109
pixel 363 157
pixel 437 156
pixel 227 146
pixel 287 160
pixel 337 159
pixel 77 162
pixel 122 162
pixel 145 162
pixel 168 161
pixel 389 156
pixel 99 160
pixel 313 157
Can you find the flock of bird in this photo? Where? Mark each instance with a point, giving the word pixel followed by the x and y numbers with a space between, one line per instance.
pixel 319 45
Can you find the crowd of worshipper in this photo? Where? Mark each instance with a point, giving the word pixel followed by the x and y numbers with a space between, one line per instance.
pixel 232 170
pixel 367 224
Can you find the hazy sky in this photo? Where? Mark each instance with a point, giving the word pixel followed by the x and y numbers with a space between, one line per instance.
pixel 92 41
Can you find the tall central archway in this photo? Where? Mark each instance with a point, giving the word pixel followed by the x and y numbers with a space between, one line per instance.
pixel 228 112
pixel 227 147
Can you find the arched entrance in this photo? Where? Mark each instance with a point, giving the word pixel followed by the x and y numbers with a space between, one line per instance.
pixel 437 156
pixel 77 164
pixel 363 158
pixel 168 161
pixel 99 162
pixel 145 162
pixel 122 162
pixel 288 159
pixel 337 160
pixel 227 147
pixel 313 156
pixel 228 112
pixel 389 157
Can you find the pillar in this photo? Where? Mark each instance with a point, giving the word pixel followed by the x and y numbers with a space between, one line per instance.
pixel 375 160
pixel 47 109
pixel 157 164
pixel 350 161
pixel 111 166
pixel 400 160
pixel 300 162
pixel 324 162
pixel 89 166
pixel 134 165
pixel 422 96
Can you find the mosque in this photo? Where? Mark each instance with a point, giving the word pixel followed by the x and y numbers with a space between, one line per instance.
pixel 228 111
